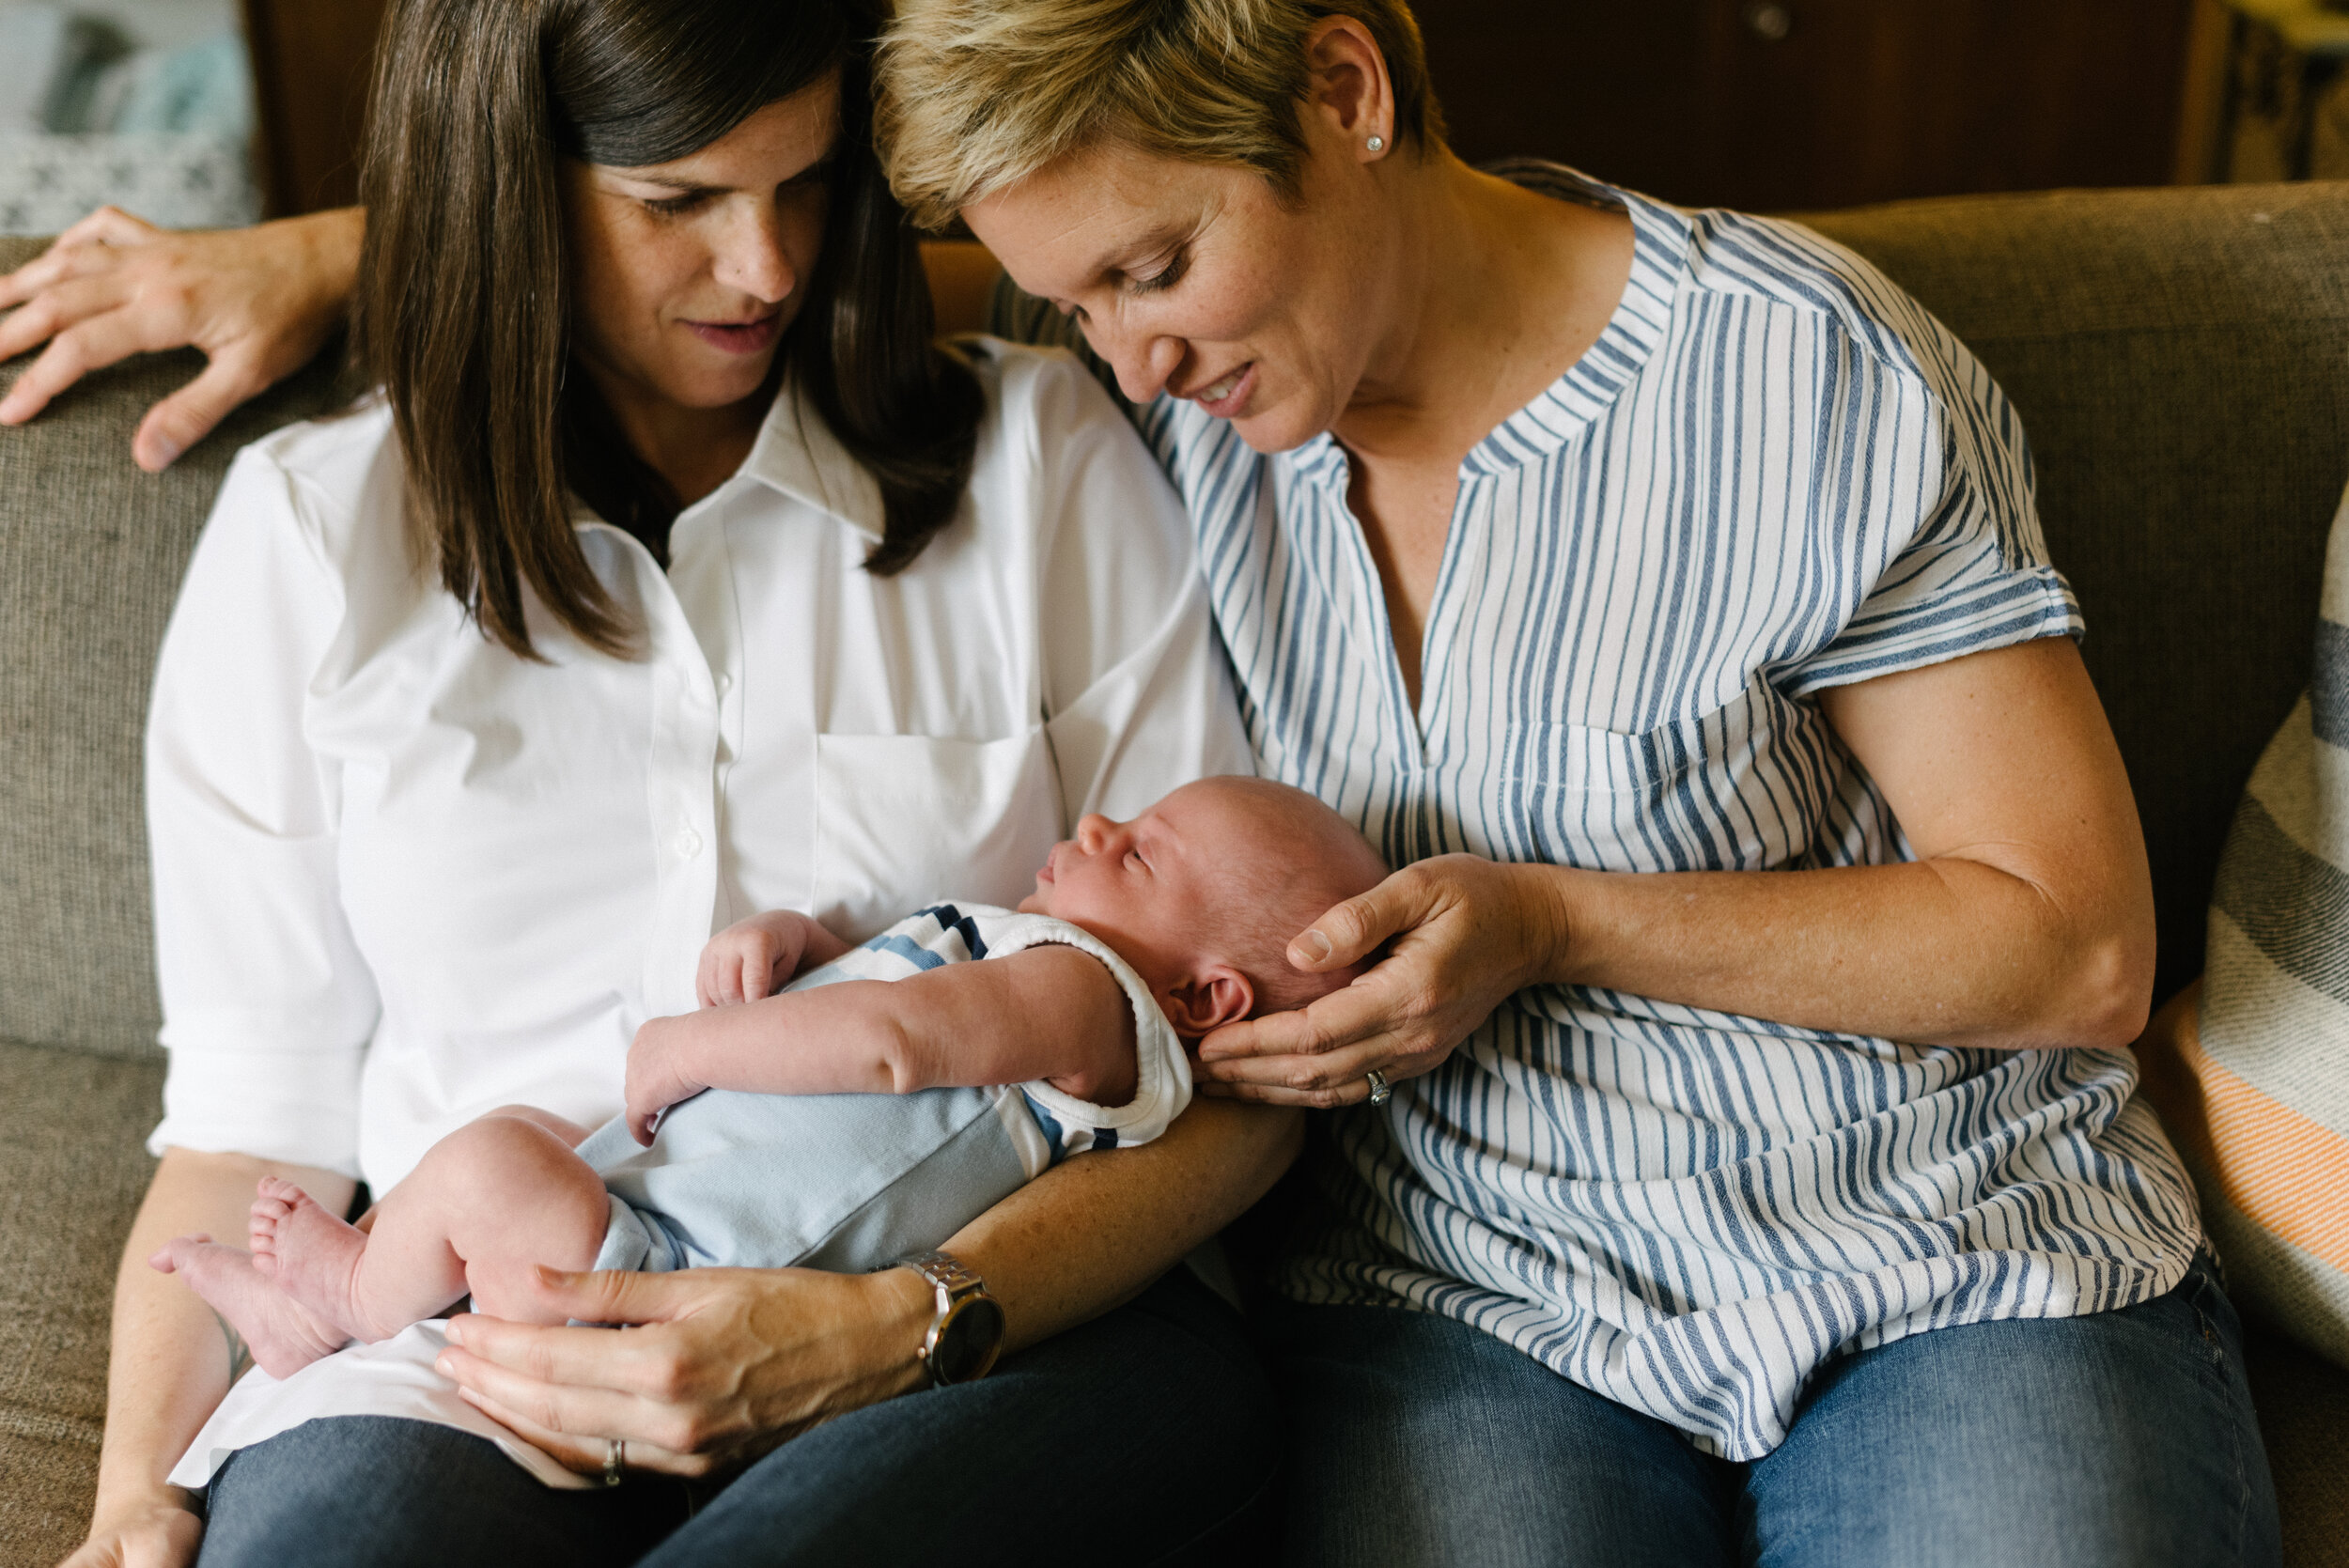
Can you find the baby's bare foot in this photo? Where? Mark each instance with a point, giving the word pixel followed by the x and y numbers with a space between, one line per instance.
pixel 312 1256
pixel 283 1335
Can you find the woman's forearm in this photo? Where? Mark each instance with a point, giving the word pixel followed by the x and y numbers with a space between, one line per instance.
pixel 1096 1230
pixel 2025 920
pixel 729 1360
pixel 1950 952
pixel 172 1358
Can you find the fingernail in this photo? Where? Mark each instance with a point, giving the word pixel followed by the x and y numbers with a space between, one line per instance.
pixel 167 451
pixel 454 1332
pixel 446 1368
pixel 1313 946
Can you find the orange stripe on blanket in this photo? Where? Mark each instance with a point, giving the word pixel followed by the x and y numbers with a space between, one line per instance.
pixel 2286 1173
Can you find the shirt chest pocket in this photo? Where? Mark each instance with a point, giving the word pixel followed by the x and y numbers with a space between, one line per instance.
pixel 902 820
pixel 1667 798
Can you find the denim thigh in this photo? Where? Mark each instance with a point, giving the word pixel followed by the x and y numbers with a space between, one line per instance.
pixel 1146 1435
pixel 2123 1439
pixel 1414 1439
pixel 378 1492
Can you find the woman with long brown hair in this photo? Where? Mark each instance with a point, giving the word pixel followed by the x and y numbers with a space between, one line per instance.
pixel 672 572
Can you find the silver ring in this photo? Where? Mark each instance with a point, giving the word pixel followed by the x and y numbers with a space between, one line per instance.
pixel 615 1459
pixel 1379 1090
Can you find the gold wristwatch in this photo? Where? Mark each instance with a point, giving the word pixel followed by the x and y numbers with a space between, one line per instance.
pixel 961 1344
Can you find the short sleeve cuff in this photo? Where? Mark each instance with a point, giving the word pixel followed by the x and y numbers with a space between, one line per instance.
pixel 1890 636
pixel 1162 1084
pixel 299 1106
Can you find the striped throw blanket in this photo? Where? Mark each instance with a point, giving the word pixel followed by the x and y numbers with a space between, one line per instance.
pixel 2258 1095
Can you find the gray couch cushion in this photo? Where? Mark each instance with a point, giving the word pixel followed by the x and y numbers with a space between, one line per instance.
pixel 2180 362
pixel 91 551
pixel 71 1173
pixel 2304 1411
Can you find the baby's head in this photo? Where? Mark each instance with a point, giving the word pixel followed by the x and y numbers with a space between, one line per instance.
pixel 1202 893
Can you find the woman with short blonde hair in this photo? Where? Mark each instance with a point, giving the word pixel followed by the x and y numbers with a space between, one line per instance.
pixel 1744 1089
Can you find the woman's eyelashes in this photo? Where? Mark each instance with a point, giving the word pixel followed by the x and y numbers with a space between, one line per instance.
pixel 1163 279
pixel 674 206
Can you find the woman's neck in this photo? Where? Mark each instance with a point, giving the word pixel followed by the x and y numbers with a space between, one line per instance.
pixel 1494 292
pixel 695 450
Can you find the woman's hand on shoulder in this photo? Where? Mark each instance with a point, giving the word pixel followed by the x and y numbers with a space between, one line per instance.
pixel 258 302
pixel 156 1532
pixel 1466 932
pixel 722 1364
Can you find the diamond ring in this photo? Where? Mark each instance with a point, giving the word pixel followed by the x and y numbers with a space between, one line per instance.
pixel 1379 1090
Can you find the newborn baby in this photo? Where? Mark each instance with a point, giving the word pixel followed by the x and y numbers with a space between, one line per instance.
pixel 1172 925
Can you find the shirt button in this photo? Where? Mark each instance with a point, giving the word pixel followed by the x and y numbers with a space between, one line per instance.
pixel 687 844
pixel 726 681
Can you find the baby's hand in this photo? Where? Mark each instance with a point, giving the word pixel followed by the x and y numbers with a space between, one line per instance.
pixel 755 957
pixel 657 1077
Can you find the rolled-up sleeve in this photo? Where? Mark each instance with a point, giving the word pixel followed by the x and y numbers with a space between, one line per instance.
pixel 267 1004
pixel 1138 692
pixel 1955 562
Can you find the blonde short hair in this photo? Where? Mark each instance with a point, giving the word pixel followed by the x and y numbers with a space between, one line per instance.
pixel 976 95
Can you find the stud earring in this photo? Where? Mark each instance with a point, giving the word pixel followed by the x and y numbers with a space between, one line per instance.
pixel 1378 144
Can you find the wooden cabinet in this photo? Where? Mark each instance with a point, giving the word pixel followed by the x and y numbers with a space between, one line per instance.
pixel 310 65
pixel 1786 105
pixel 1769 104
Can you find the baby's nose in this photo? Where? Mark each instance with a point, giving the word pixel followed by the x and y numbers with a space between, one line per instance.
pixel 1091 831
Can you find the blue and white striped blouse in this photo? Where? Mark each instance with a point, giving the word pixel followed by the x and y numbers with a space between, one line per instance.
pixel 1773 473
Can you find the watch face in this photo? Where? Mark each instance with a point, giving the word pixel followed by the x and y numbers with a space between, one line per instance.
pixel 968 1340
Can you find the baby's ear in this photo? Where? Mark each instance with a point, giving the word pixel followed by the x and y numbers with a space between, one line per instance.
pixel 1204 1001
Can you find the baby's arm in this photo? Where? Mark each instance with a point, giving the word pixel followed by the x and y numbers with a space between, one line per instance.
pixel 1047 1012
pixel 755 957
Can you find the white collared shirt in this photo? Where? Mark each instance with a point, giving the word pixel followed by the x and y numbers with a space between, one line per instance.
pixel 403 877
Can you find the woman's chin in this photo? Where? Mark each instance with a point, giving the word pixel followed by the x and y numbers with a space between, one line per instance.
pixel 719 386
pixel 1280 428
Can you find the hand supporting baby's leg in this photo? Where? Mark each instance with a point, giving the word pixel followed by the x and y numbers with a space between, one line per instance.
pixel 484 1204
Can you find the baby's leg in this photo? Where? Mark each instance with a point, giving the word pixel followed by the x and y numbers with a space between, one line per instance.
pixel 570 1132
pixel 483 1206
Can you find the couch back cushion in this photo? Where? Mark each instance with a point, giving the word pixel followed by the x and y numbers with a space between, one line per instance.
pixel 2180 358
pixel 91 551
pixel 2180 362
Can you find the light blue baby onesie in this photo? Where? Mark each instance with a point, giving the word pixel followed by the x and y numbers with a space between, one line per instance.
pixel 852 1182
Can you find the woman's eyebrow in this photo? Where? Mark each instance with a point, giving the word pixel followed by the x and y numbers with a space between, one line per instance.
pixel 681 184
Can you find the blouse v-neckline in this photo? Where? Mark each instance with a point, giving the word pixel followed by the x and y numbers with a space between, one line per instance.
pixel 1555 416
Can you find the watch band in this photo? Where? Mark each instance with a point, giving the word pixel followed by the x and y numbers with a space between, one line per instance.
pixel 954 1277
pixel 963 1339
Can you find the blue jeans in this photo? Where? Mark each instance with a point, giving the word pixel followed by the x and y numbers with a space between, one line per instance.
pixel 2123 1439
pixel 1145 1436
